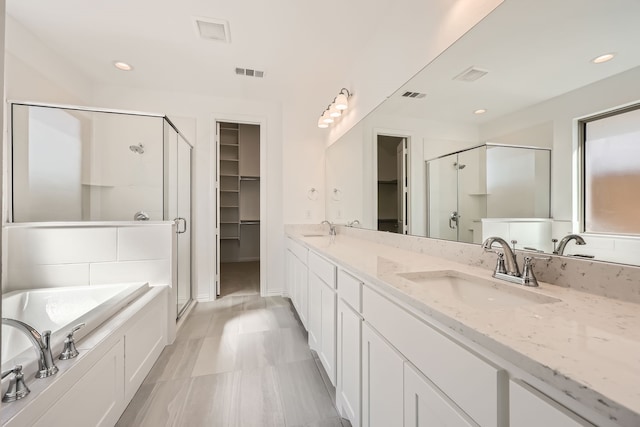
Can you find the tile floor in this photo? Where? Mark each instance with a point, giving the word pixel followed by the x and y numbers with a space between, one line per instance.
pixel 243 361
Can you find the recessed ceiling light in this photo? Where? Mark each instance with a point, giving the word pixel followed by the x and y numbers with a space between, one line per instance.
pixel 122 66
pixel 603 58
pixel 480 111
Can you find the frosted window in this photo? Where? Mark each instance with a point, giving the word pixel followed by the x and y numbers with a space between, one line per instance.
pixel 612 174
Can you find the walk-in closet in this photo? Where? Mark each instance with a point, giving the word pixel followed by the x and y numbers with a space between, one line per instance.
pixel 239 208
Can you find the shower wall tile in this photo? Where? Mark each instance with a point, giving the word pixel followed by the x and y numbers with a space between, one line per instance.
pixel 144 243
pixel 157 272
pixel 49 276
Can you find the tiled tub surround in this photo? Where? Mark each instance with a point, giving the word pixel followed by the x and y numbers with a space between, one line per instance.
pixel 585 346
pixel 82 254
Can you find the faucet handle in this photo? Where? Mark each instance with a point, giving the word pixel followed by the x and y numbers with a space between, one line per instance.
pixel 70 351
pixel 17 387
pixel 528 278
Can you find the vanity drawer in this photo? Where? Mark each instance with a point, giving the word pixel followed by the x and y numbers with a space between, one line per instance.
pixel 474 384
pixel 350 290
pixel 298 250
pixel 323 269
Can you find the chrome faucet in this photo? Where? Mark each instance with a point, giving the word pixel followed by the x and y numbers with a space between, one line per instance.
pixel 353 223
pixel 332 228
pixel 504 266
pixel 507 264
pixel 42 344
pixel 563 243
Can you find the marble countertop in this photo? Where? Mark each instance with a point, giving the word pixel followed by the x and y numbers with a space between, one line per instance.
pixel 586 346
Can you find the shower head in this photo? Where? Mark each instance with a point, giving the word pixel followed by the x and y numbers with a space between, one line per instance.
pixel 138 149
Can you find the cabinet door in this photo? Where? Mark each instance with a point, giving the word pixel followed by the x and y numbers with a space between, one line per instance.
pixel 315 312
pixel 328 335
pixel 425 407
pixel 290 266
pixel 302 291
pixel 348 363
pixel 530 408
pixel 382 381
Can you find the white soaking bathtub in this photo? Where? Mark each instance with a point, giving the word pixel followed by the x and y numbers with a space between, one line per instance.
pixel 59 310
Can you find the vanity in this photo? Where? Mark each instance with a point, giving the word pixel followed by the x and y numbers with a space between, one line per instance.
pixel 407 332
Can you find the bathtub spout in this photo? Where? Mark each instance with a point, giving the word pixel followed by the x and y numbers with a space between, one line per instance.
pixel 42 344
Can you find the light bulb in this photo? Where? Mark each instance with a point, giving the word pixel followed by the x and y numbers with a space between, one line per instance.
pixel 123 66
pixel 322 124
pixel 334 112
pixel 603 58
pixel 341 103
pixel 326 117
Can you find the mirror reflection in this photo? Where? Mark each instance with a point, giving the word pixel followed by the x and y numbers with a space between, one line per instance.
pixel 526 76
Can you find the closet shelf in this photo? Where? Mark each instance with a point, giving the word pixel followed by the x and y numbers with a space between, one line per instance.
pixel 230 206
pixel 229 160
pixel 250 222
pixel 249 178
pixel 226 174
pixel 393 181
pixel 229 191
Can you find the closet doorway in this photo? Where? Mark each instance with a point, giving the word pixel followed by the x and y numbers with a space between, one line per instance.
pixel 391 160
pixel 238 197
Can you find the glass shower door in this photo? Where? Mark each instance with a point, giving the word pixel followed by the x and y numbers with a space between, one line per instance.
pixel 183 227
pixel 442 187
pixel 178 209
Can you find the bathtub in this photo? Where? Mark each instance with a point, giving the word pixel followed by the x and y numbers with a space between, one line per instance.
pixel 59 310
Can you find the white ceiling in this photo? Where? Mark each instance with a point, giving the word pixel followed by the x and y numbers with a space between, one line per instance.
pixel 533 50
pixel 297 43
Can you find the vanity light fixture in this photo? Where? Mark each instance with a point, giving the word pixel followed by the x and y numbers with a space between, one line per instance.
pixel 603 58
pixel 480 111
pixel 335 109
pixel 122 66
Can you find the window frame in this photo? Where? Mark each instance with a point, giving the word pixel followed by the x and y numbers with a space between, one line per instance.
pixel 581 169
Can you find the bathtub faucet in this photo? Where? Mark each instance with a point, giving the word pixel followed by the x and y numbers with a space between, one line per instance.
pixel 42 344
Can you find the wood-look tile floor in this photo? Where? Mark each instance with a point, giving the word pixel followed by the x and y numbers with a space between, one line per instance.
pixel 238 361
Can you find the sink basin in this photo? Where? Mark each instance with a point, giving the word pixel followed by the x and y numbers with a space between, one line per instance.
pixel 477 292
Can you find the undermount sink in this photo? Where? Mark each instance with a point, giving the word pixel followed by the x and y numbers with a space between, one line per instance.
pixel 477 292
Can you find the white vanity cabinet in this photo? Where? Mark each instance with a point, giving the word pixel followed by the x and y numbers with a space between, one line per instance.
pixel 425 406
pixel 530 408
pixel 297 278
pixel 473 383
pixel 322 312
pixel 348 356
pixel 382 381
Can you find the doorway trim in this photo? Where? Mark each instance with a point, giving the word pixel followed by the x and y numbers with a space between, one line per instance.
pixel 214 253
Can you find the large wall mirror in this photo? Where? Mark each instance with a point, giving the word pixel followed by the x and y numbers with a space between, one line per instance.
pixel 503 107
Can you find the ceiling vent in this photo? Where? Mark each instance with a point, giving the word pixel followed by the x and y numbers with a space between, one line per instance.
pixel 212 29
pixel 416 95
pixel 471 74
pixel 249 72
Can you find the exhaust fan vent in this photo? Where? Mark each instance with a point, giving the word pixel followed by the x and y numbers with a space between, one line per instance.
pixel 471 74
pixel 212 29
pixel 249 72
pixel 417 95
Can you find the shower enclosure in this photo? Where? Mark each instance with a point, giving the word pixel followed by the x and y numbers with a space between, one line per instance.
pixel 76 164
pixel 486 181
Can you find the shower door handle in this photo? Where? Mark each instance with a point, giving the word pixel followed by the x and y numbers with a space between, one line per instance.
pixel 454 217
pixel 184 224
